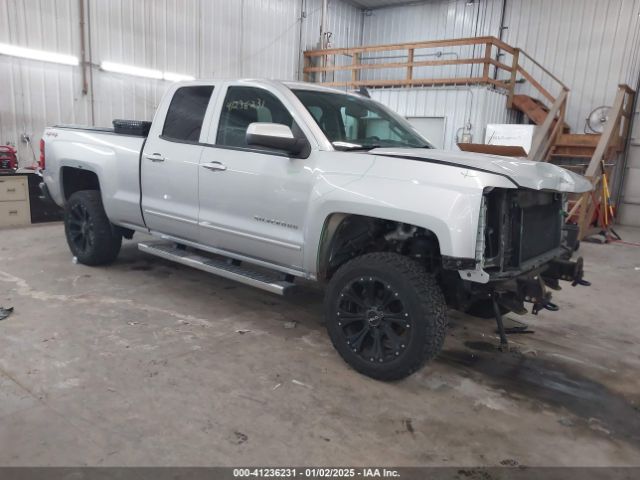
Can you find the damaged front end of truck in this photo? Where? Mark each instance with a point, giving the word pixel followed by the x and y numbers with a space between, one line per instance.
pixel 523 253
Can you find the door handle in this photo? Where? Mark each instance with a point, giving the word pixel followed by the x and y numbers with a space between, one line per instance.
pixel 154 157
pixel 215 166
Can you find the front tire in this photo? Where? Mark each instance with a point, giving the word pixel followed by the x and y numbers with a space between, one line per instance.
pixel 92 238
pixel 386 315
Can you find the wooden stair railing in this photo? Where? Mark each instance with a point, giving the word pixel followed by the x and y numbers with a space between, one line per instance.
pixel 575 145
pixel 534 109
pixel 319 64
pixel 591 210
pixel 547 134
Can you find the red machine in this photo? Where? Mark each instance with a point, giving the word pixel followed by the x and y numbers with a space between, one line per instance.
pixel 8 159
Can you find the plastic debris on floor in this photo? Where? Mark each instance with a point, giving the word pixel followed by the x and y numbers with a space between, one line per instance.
pixel 5 312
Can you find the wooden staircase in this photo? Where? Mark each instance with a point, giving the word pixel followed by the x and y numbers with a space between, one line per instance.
pixel 574 145
pixel 534 109
pixel 569 150
pixel 591 155
pixel 567 147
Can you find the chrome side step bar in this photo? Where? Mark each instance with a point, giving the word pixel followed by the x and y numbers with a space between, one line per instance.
pixel 271 282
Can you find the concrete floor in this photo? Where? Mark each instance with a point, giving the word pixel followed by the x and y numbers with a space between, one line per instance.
pixel 142 363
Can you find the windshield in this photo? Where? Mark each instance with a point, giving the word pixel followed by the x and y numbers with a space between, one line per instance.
pixel 358 123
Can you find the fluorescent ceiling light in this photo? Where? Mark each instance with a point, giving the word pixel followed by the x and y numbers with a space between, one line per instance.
pixel 144 72
pixel 41 55
pixel 176 77
pixel 129 70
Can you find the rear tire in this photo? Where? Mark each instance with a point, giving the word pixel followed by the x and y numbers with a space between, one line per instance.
pixel 92 238
pixel 386 315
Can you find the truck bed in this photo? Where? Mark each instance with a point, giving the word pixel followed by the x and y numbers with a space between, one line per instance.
pixel 136 128
pixel 113 157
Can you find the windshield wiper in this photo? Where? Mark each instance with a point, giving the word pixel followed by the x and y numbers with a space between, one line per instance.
pixel 348 146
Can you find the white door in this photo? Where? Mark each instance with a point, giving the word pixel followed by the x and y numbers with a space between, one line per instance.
pixel 432 128
pixel 169 165
pixel 253 201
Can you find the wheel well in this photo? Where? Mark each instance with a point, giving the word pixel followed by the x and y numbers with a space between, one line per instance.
pixel 76 179
pixel 346 236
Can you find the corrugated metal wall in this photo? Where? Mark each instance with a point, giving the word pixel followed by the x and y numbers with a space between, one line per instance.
pixel 591 45
pixel 32 93
pixel 345 26
pixel 630 201
pixel 429 21
pixel 477 106
pixel 434 20
pixel 202 38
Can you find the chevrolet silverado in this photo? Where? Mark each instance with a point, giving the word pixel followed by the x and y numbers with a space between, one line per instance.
pixel 265 182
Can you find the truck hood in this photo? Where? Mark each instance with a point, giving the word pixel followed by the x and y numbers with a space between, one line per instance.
pixel 524 173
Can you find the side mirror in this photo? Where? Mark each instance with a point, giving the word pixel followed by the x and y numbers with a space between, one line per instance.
pixel 276 136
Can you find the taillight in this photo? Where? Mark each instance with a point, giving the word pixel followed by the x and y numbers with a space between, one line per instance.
pixel 41 154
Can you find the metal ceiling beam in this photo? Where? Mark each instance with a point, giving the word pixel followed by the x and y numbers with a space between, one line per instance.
pixel 364 5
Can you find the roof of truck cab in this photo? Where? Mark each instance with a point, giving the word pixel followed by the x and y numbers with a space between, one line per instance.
pixel 293 85
pixel 312 86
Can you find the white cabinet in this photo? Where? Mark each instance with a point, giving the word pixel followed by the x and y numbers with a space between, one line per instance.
pixel 14 201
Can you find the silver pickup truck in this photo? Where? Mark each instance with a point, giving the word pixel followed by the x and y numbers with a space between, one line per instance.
pixel 264 182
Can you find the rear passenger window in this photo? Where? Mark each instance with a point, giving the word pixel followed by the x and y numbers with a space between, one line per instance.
pixel 244 106
pixel 186 113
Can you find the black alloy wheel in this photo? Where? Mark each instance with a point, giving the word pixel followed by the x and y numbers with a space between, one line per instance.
pixel 81 233
pixel 91 237
pixel 385 315
pixel 373 319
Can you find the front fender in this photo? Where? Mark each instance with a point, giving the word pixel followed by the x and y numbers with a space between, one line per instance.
pixel 450 209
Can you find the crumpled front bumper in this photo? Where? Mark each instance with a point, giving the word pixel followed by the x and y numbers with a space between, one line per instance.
pixel 534 286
